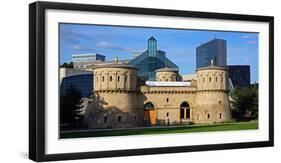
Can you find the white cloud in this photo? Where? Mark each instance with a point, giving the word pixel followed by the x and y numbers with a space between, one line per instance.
pixel 107 45
pixel 249 36
pixel 251 42
pixel 79 47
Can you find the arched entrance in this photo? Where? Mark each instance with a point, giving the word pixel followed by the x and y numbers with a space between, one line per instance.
pixel 149 114
pixel 185 113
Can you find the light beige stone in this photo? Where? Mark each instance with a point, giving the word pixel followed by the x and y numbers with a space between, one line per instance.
pixel 118 101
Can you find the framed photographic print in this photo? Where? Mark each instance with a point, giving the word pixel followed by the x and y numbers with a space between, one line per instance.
pixel 108 81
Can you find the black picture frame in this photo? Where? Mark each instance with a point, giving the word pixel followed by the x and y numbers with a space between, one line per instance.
pixel 37 80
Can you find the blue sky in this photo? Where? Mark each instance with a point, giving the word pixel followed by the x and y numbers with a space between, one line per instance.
pixel 179 45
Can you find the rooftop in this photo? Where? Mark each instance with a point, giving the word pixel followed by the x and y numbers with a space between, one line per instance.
pixel 115 65
pixel 212 68
pixel 167 69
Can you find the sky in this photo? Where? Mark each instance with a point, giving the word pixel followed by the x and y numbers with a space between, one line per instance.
pixel 179 44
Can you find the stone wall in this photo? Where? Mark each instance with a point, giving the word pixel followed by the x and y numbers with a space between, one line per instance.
pixel 212 103
pixel 167 76
pixel 117 101
pixel 167 102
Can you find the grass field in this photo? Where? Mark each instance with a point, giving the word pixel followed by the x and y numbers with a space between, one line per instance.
pixel 162 130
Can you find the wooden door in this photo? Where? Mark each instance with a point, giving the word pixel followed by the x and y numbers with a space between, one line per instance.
pixel 150 116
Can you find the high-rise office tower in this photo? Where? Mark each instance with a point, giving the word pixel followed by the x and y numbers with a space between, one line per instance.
pixel 213 50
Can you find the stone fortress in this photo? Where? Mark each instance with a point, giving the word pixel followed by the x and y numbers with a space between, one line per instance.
pixel 121 99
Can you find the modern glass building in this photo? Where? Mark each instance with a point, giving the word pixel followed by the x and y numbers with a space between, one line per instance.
pixel 87 57
pixel 239 75
pixel 83 83
pixel 213 50
pixel 151 60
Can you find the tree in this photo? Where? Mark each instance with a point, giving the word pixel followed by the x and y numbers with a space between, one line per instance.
pixel 70 109
pixel 67 65
pixel 245 103
pixel 255 101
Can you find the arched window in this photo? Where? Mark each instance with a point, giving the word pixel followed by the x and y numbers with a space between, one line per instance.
pixel 148 105
pixel 185 110
pixel 105 119
pixel 119 118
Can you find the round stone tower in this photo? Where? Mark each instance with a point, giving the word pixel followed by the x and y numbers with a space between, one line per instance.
pixel 212 102
pixel 167 74
pixel 115 102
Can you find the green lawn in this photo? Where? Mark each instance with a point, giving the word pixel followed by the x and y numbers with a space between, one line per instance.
pixel 163 130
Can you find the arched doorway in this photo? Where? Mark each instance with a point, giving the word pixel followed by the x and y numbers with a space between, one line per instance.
pixel 149 114
pixel 185 112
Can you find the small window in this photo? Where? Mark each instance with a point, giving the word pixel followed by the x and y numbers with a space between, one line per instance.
pixel 119 118
pixel 110 78
pixel 197 116
pixel 103 78
pixel 167 114
pixel 208 116
pixel 219 102
pixel 105 119
pixel 125 78
pixel 118 78
pixel 220 115
pixel 167 99
pixel 216 79
pixel 203 80
pixel 166 79
pixel 210 79
pixel 135 118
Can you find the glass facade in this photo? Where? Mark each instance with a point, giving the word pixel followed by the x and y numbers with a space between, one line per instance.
pixel 82 83
pixel 87 57
pixel 151 60
pixel 213 50
pixel 152 47
pixel 239 75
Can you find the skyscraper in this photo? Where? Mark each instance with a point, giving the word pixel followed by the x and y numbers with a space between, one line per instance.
pixel 151 60
pixel 213 50
pixel 239 75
